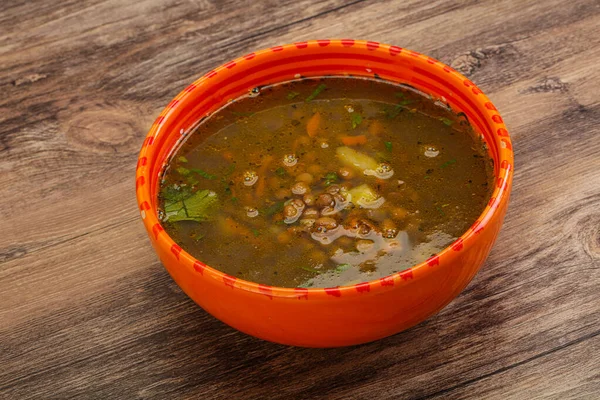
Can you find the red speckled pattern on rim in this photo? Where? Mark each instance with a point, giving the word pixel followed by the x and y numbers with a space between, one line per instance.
pixel 318 58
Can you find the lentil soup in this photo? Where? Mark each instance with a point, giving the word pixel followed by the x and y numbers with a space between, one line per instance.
pixel 325 182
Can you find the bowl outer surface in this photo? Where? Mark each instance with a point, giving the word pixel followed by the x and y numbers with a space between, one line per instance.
pixel 326 317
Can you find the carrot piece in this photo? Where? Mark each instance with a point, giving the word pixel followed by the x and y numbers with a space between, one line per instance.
pixel 231 227
pixel 284 237
pixel 246 198
pixel 260 187
pixel 376 128
pixel 312 127
pixel 262 171
pixel 381 184
pixel 301 140
pixel 354 140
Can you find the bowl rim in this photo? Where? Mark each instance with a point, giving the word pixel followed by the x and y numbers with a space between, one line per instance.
pixel 503 172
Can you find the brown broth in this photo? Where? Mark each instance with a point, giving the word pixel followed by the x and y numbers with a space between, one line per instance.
pixel 230 195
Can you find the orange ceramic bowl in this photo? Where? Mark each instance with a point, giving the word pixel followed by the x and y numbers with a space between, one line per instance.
pixel 337 316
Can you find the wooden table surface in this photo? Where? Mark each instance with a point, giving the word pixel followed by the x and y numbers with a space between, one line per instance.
pixel 86 309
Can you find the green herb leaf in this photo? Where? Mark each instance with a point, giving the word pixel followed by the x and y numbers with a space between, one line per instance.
pixel 388 146
pixel 234 199
pixel 198 207
pixel 230 169
pixel 203 173
pixel 356 120
pixel 317 91
pixel 448 163
pixel 309 269
pixel 198 236
pixel 383 157
pixel 292 95
pixel 330 178
pixel 280 171
pixel 182 159
pixel 400 95
pixel 255 232
pixel 440 210
pixel 343 267
pixel 183 171
pixel 446 121
pixel 172 194
pixel 392 112
pixel 273 209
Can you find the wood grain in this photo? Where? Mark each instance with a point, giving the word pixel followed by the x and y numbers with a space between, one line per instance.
pixel 87 311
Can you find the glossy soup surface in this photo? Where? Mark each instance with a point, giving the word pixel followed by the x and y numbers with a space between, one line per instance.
pixel 325 182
